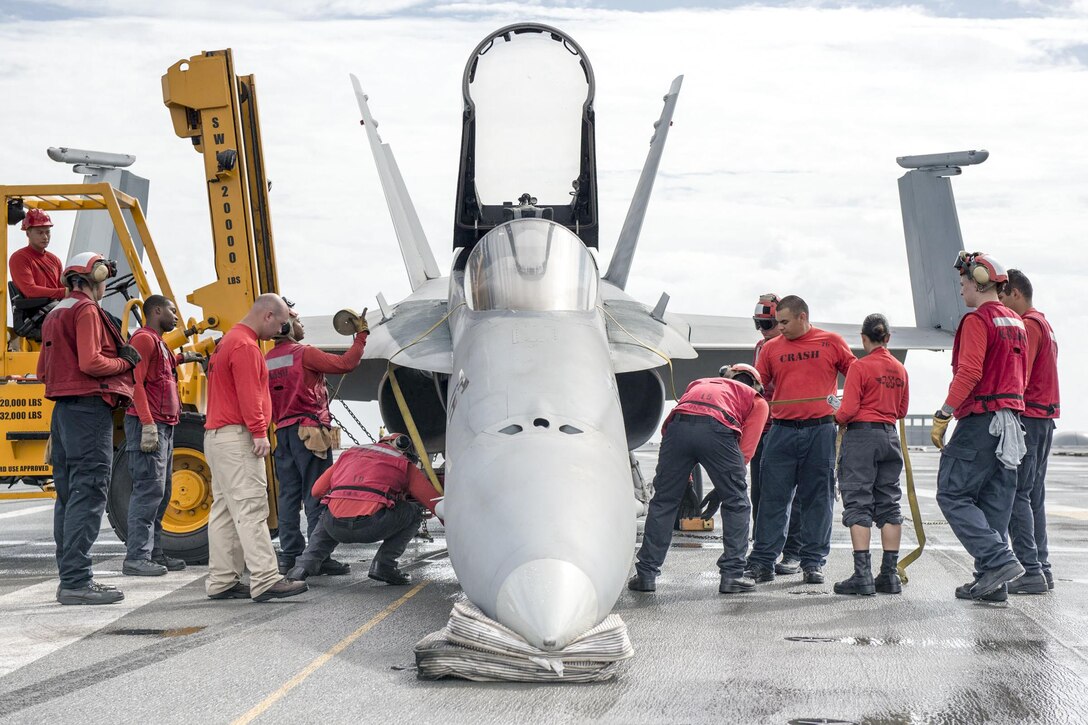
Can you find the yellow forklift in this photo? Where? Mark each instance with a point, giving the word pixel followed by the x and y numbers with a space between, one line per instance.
pixel 217 111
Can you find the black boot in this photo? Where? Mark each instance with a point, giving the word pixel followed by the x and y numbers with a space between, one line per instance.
pixel 862 580
pixel 888 582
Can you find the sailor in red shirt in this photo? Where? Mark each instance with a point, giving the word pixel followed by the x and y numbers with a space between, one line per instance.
pixel 35 273
pixel 300 410
pixel 87 370
pixel 367 497
pixel 716 423
pixel 870 460
pixel 767 324
pixel 236 443
pixel 976 480
pixel 798 461
pixel 1027 527
pixel 149 439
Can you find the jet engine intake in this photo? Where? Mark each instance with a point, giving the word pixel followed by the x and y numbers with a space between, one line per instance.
pixel 642 397
pixel 425 396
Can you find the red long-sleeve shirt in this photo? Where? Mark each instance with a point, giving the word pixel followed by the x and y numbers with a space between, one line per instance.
pixel 321 362
pixel 806 367
pixel 972 354
pixel 238 384
pixel 416 485
pixel 90 340
pixel 876 390
pixel 146 347
pixel 36 274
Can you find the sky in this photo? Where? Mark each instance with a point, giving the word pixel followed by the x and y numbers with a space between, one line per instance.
pixel 779 174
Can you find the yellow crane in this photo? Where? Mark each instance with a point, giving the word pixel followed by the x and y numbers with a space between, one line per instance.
pixel 216 110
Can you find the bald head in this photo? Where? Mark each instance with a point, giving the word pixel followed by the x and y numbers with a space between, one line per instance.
pixel 267 316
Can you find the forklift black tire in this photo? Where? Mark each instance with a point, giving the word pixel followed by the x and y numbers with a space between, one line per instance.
pixel 185 527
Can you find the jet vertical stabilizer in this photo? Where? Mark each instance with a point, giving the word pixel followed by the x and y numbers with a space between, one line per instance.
pixel 932 230
pixel 418 258
pixel 620 266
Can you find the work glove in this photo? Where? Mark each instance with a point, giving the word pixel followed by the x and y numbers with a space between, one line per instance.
pixel 128 354
pixel 940 427
pixel 360 323
pixel 149 438
pixel 194 357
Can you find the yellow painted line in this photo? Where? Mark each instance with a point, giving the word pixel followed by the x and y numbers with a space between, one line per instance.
pixel 23 495
pixel 320 661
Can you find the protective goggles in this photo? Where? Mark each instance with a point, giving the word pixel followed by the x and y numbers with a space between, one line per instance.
pixel 764 323
pixel 964 260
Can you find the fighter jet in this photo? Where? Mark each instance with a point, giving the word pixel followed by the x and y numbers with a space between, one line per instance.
pixel 531 371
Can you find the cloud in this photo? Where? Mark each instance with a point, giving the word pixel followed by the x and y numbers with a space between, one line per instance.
pixel 779 175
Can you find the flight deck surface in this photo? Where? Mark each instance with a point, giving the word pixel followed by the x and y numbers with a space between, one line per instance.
pixel 788 653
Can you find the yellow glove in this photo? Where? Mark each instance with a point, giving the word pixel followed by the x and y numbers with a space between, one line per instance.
pixel 360 323
pixel 940 427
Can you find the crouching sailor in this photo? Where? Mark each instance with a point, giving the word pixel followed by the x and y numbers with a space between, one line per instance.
pixel 717 423
pixel 366 499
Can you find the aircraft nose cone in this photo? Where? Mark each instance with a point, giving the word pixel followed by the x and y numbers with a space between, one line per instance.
pixel 549 602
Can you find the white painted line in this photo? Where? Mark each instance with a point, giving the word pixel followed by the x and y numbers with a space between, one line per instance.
pixel 26 511
pixel 33 625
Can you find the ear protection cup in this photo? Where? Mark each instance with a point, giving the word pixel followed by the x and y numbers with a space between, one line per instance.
pixel 100 272
pixel 980 274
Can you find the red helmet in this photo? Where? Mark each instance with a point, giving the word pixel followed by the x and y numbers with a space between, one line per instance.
pixel 36 218
pixel 767 307
pixel 90 265
pixel 731 371
pixel 981 268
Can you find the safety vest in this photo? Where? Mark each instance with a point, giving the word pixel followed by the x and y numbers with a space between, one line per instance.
pixel 727 401
pixel 1041 394
pixel 1005 365
pixel 160 383
pixel 296 396
pixel 58 363
pixel 375 473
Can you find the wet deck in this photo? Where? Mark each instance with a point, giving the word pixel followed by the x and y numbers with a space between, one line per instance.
pixel 342 652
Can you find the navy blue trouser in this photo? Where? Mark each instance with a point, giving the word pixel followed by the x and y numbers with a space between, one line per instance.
pixel 792 547
pixel 394 527
pixel 797 463
pixel 691 439
pixel 151 474
pixel 975 493
pixel 1027 526
pixel 82 440
pixel 297 469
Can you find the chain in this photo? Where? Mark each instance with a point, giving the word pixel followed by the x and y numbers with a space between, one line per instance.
pixel 357 421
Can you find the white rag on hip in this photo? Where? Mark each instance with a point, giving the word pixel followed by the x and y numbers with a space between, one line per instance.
pixel 1010 438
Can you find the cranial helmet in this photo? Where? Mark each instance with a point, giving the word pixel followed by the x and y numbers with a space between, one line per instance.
pixel 983 269
pixel 90 265
pixel 732 371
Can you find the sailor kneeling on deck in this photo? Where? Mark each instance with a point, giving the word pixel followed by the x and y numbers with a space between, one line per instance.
pixel 717 423
pixel 366 499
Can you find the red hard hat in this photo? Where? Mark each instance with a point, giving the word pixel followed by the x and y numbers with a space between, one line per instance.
pixel 36 218
pixel 91 265
pixel 767 307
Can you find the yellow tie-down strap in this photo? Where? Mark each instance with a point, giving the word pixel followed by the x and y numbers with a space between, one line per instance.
pixel 413 431
pixel 915 513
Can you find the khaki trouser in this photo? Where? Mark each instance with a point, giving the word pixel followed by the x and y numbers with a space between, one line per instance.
pixel 237 529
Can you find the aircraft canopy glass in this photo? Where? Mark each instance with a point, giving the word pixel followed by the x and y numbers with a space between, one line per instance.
pixel 529 89
pixel 531 265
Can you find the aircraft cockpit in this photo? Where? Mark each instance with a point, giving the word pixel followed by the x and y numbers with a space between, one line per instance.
pixel 528 135
pixel 531 265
